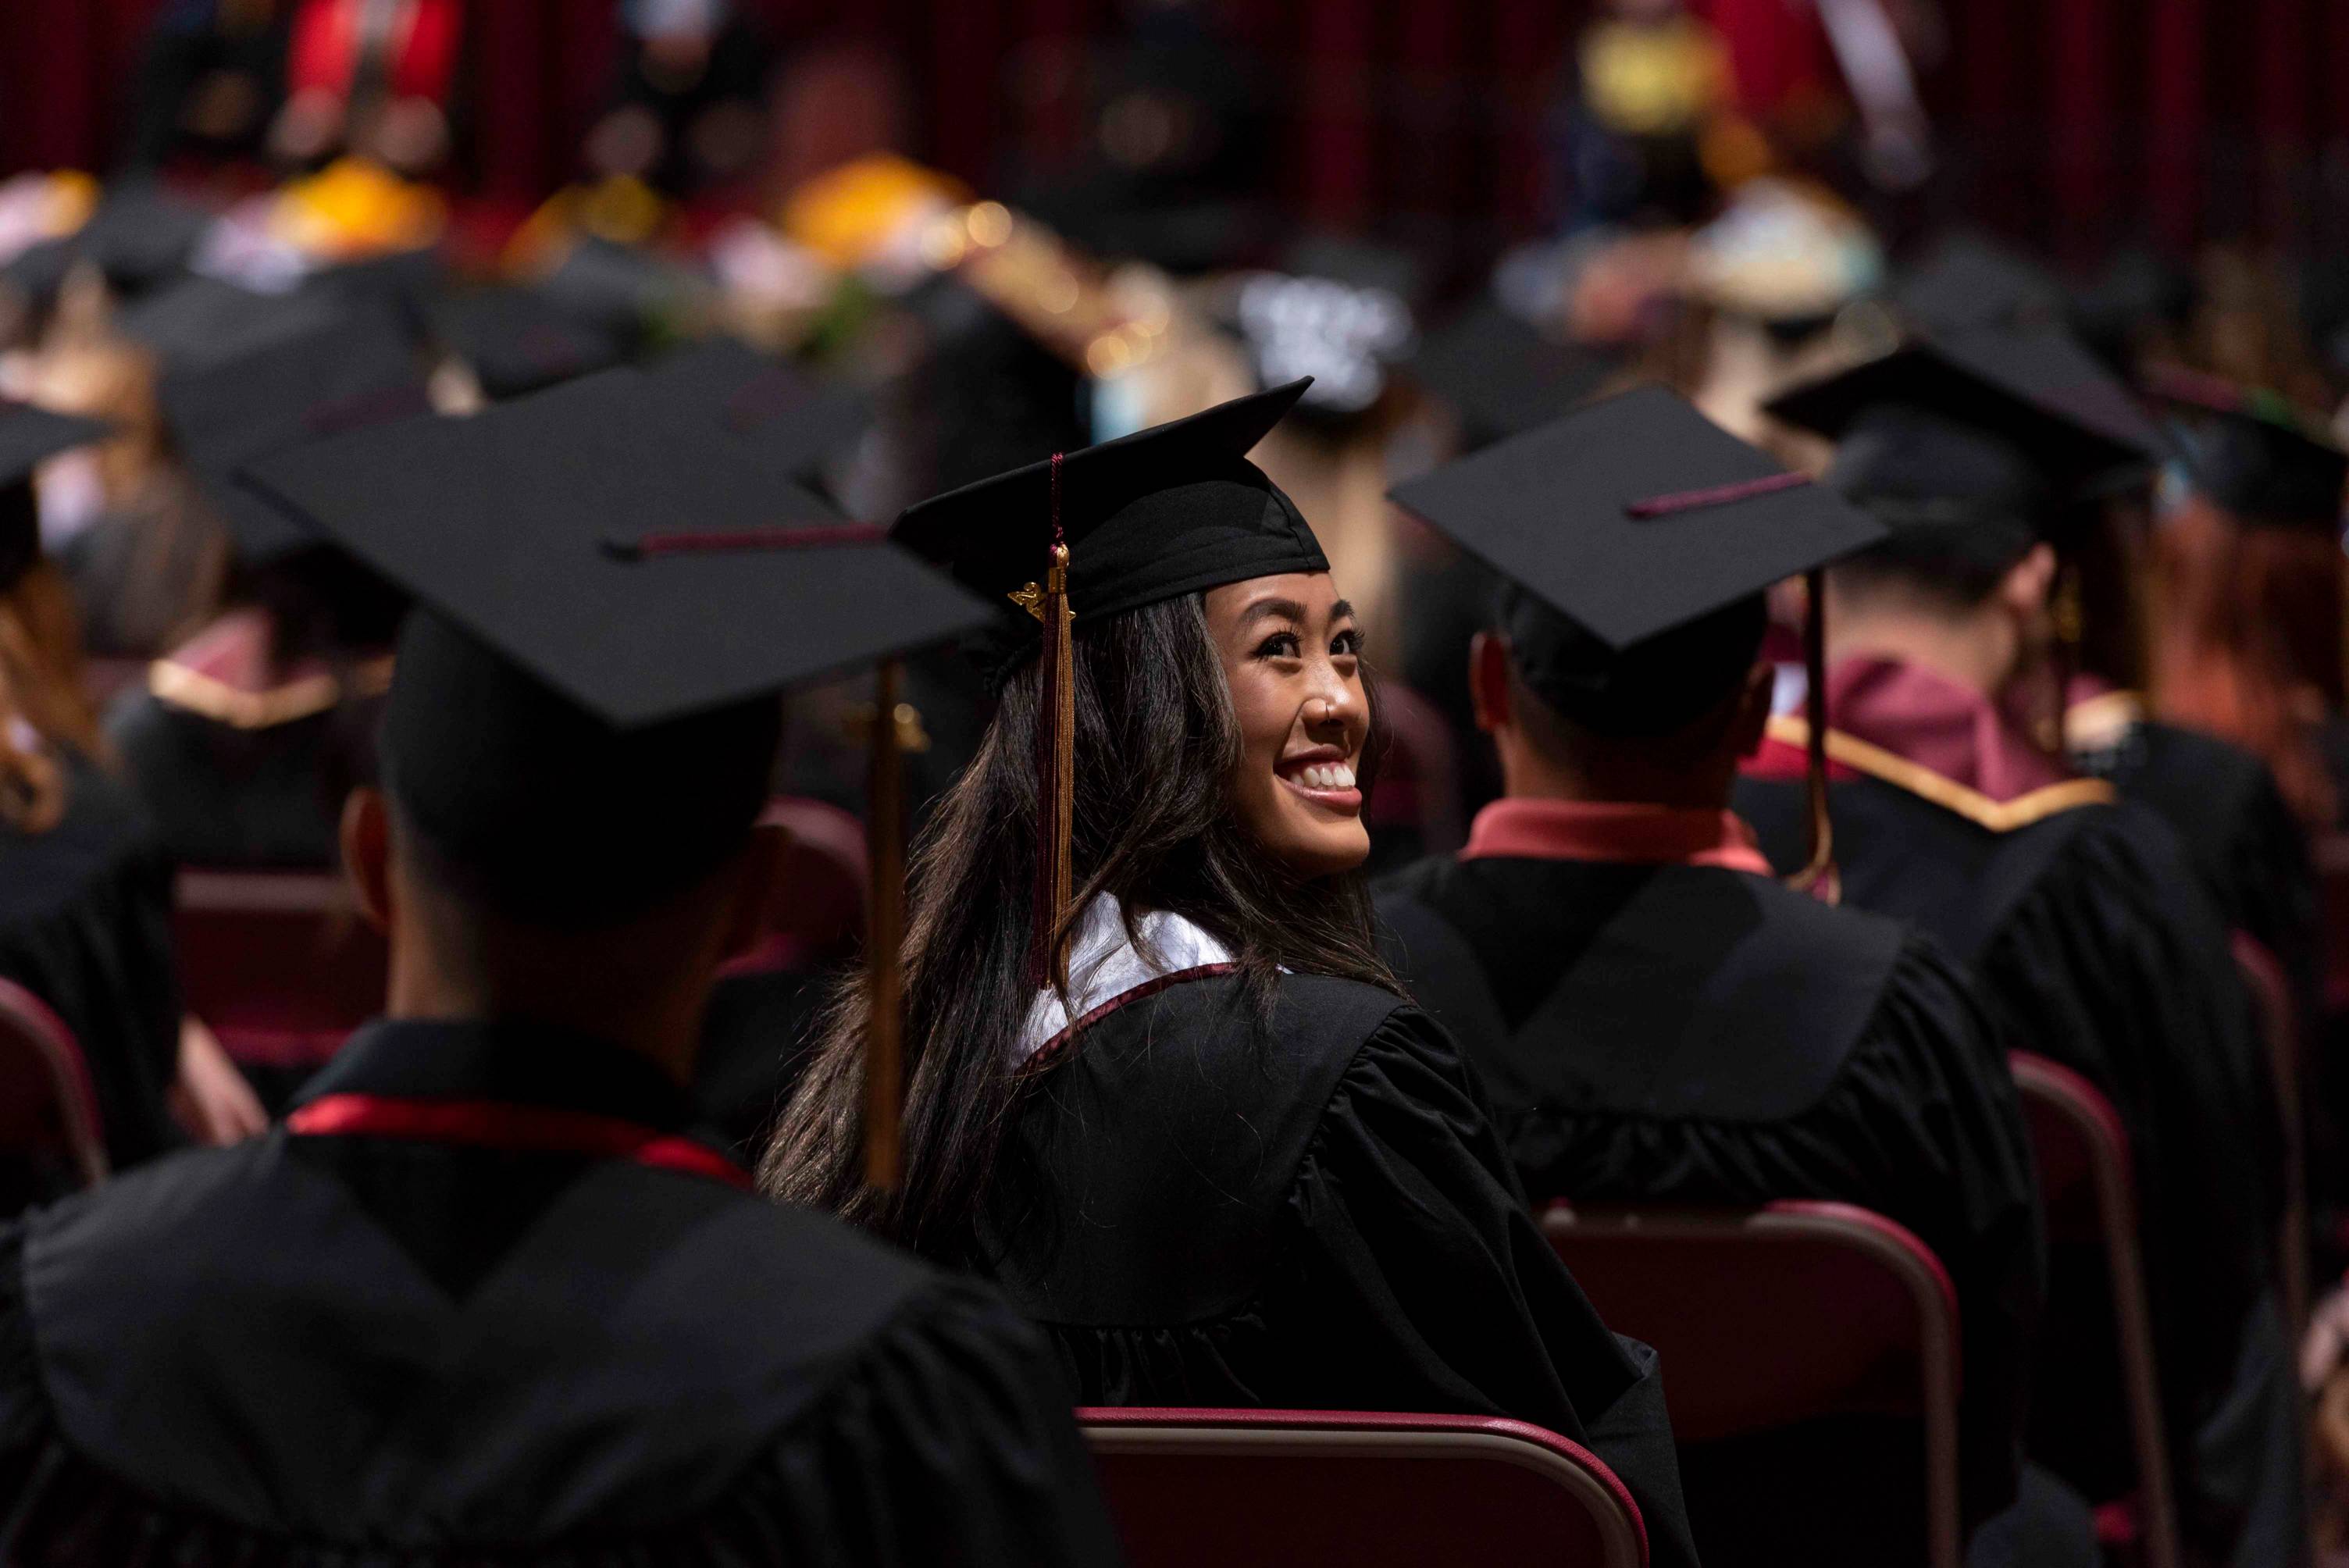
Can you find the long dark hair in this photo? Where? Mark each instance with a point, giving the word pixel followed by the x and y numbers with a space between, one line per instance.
pixel 1156 743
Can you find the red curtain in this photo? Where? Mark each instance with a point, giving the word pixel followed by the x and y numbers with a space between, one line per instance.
pixel 2073 124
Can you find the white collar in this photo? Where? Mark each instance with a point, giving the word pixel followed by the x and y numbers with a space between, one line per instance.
pixel 1105 963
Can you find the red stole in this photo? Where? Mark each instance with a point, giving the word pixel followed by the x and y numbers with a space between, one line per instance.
pixel 1634 834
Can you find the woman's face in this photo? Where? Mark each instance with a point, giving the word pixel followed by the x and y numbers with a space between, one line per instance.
pixel 1293 660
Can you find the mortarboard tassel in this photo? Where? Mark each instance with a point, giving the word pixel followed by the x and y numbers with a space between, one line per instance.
pixel 1818 877
pixel 1056 758
pixel 884 828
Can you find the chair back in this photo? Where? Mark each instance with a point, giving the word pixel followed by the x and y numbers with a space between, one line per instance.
pixel 279 964
pixel 817 918
pixel 48 1109
pixel 1268 1488
pixel 2331 853
pixel 1768 1317
pixel 2088 1188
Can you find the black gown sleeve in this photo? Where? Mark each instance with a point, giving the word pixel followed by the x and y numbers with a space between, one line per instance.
pixel 1421 1282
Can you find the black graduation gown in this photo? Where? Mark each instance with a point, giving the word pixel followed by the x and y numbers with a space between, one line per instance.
pixel 222 796
pixel 1313 1213
pixel 86 926
pixel 2095 946
pixel 1682 1034
pixel 327 1349
pixel 2241 838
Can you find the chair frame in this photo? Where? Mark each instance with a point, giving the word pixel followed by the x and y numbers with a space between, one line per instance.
pixel 1340 1434
pixel 1892 1247
pixel 2093 1117
pixel 33 1020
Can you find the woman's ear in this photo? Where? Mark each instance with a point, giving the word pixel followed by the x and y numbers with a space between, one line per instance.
pixel 367 853
pixel 1488 681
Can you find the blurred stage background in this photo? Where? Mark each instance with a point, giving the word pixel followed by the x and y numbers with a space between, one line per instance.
pixel 2071 124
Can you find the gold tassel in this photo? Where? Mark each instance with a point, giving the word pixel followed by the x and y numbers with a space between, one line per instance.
pixel 1818 876
pixel 1056 824
pixel 885 982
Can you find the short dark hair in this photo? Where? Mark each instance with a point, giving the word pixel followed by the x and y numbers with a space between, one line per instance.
pixel 1653 688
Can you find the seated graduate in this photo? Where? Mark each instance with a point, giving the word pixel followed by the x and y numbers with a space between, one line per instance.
pixel 85 890
pixel 1162 1087
pixel 247 736
pixel 2247 587
pixel 486 1296
pixel 2078 913
pixel 1660 1020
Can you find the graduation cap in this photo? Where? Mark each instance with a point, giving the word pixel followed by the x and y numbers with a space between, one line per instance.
pixel 1502 375
pixel 339 373
pixel 1638 537
pixel 2033 388
pixel 2256 455
pixel 1167 512
pixel 1968 280
pixel 30 436
pixel 773 410
pixel 139 237
pixel 611 594
pixel 1341 327
pixel 203 320
pixel 517 340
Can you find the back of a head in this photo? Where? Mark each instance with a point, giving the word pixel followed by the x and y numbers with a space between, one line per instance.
pixel 1647 697
pixel 530 808
pixel 1963 505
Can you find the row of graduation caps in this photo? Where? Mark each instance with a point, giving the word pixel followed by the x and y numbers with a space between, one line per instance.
pixel 527 527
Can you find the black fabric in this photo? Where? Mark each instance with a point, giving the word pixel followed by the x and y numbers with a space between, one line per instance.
pixel 220 796
pixel 2096 947
pixel 517 340
pixel 1502 375
pixel 1173 510
pixel 2276 471
pixel 86 926
pixel 2243 841
pixel 1321 1217
pixel 230 1359
pixel 1692 1034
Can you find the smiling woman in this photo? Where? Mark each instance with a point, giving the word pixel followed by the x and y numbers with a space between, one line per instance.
pixel 1183 1117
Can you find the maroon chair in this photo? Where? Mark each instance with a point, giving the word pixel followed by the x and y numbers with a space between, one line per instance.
pixel 2331 853
pixel 48 1109
pixel 2263 976
pixel 279 964
pixel 2088 1186
pixel 818 915
pixel 1766 1318
pixel 1268 1488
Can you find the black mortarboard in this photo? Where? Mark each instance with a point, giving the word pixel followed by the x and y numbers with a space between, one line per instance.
pixel 1630 521
pixel 1502 375
pixel 341 373
pixel 204 320
pixel 611 594
pixel 1170 510
pixel 790 419
pixel 2265 461
pixel 139 237
pixel 623 289
pixel 1339 316
pixel 29 436
pixel 1967 280
pixel 517 341
pixel 2034 387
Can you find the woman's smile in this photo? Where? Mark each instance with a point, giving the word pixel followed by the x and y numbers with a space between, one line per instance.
pixel 1323 775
